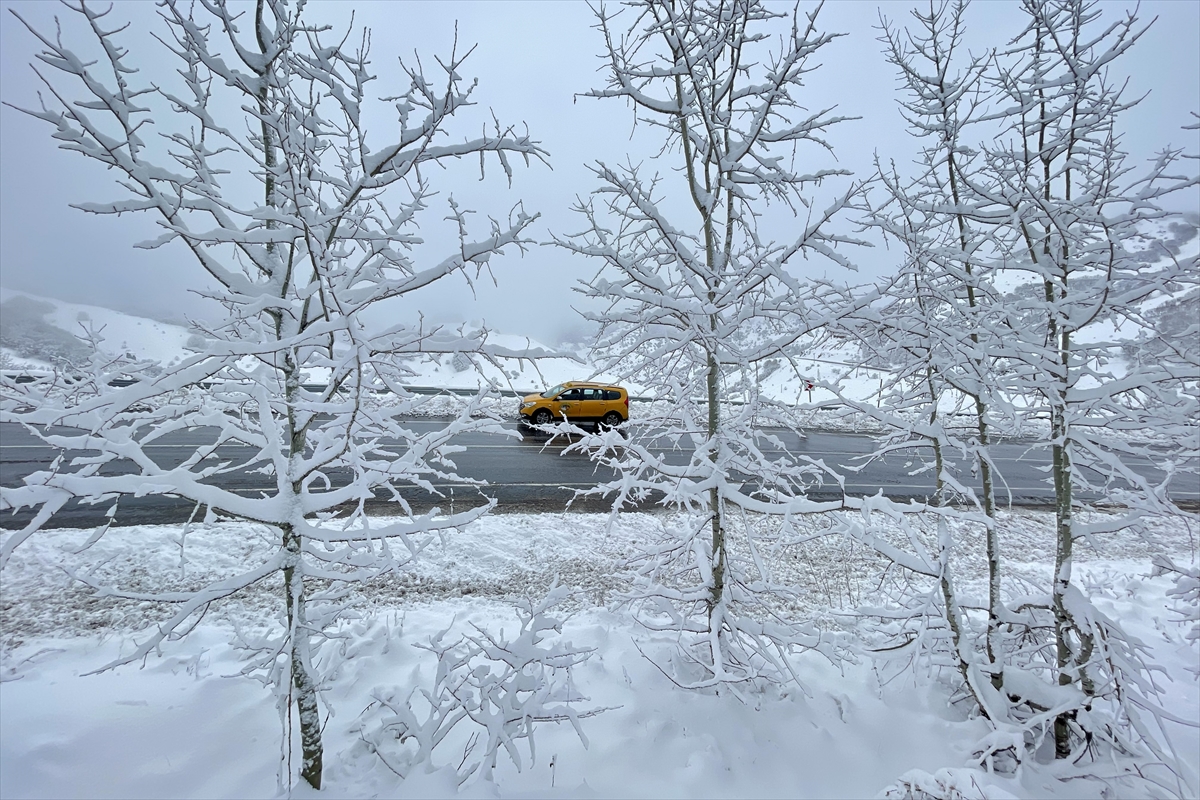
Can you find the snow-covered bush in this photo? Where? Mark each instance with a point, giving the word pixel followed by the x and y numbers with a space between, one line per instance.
pixel 488 695
pixel 1186 593
pixel 945 784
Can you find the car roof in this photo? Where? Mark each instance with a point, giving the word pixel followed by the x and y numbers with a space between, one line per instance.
pixel 573 384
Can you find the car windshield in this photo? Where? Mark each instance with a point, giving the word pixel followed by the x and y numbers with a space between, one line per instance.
pixel 552 392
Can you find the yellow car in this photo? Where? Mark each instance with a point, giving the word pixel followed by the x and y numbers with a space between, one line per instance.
pixel 577 401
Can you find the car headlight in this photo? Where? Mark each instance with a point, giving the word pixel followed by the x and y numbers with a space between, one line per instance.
pixel 528 405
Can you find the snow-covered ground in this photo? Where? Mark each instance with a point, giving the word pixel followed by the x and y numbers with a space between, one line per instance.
pixel 184 724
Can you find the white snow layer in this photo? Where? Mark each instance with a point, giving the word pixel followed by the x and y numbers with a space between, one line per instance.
pixel 184 724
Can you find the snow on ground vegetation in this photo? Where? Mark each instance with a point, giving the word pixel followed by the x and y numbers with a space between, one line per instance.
pixel 186 724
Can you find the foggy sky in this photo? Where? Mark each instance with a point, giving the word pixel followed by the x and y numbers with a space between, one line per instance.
pixel 532 59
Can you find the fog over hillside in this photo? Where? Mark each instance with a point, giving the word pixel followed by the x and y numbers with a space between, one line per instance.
pixel 46 332
pixel 25 331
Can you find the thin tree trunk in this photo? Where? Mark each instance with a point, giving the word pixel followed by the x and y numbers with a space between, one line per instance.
pixel 945 546
pixel 718 545
pixel 1060 457
pixel 1062 575
pixel 1071 665
pixel 939 491
pixel 718 528
pixel 992 640
pixel 294 589
pixel 950 601
pixel 311 750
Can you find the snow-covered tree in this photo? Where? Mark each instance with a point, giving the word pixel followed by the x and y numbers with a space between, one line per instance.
pixel 1073 206
pixel 1025 276
pixel 700 249
pixel 255 159
pixel 931 328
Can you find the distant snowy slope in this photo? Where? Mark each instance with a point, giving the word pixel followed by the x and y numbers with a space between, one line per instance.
pixel 122 333
pixel 163 342
pixel 160 341
pixel 534 375
pixel 1165 241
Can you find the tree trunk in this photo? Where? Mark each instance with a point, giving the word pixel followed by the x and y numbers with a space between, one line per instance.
pixel 293 576
pixel 294 590
pixel 1062 576
pixel 952 619
pixel 298 656
pixel 993 548
pixel 717 558
pixel 1072 665
pixel 992 641
pixel 945 547
pixel 717 591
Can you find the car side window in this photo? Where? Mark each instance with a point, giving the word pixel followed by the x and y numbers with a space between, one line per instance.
pixel 591 394
pixel 570 394
pixel 611 395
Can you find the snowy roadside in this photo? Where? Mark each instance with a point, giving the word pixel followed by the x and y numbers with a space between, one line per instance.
pixel 157 731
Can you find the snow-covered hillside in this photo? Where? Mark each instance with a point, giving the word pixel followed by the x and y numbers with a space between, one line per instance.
pixel 122 333
pixel 150 339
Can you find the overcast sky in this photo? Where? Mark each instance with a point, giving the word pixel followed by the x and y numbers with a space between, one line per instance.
pixel 532 58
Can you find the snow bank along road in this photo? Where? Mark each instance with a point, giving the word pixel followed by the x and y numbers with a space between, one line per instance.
pixel 526 471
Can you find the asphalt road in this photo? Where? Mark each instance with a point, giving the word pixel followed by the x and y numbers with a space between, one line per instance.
pixel 526 471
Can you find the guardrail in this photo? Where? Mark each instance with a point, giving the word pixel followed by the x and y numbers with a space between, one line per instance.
pixel 423 390
pixel 317 387
pixel 26 378
pixel 501 392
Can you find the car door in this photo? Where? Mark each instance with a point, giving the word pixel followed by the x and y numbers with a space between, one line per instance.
pixel 568 403
pixel 591 408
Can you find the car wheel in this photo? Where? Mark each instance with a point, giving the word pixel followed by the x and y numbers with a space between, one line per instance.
pixel 542 417
pixel 612 419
